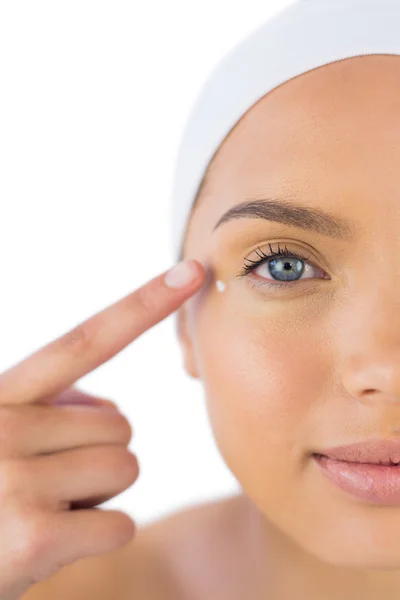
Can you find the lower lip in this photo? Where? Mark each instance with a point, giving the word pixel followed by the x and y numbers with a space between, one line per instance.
pixel 379 484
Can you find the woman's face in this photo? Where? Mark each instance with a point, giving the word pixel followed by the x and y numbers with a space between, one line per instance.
pixel 291 370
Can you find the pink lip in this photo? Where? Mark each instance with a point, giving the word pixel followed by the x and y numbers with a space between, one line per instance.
pixel 368 470
pixel 376 483
pixel 375 451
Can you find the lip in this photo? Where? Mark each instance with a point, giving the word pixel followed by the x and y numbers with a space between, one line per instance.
pixel 367 470
pixel 375 451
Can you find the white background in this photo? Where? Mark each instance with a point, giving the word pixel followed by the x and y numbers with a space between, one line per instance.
pixel 94 95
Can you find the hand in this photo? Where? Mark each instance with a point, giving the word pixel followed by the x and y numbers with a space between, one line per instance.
pixel 58 462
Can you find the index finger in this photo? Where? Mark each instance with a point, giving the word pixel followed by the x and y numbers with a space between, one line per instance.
pixel 60 363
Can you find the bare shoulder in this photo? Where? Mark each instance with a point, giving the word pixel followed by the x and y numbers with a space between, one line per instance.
pixel 189 548
pixel 181 529
pixel 158 564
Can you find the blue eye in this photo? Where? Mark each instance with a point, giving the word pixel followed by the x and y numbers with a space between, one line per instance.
pixel 284 266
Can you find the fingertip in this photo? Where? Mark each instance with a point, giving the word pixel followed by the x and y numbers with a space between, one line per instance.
pixel 182 274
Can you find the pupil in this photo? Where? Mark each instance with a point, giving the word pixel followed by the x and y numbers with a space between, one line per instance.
pixel 286 270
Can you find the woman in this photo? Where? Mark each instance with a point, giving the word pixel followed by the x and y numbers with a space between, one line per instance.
pixel 291 325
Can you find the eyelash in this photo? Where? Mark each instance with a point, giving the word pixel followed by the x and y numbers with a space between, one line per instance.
pixel 247 269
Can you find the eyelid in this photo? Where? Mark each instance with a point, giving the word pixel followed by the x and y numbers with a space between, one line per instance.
pixel 299 246
pixel 296 246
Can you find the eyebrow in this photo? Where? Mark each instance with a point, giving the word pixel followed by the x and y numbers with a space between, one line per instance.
pixel 284 211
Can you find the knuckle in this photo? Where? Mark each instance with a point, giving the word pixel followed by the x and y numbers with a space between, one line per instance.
pixel 76 340
pixel 126 524
pixel 147 298
pixel 118 427
pixel 133 466
pixel 128 465
pixel 126 430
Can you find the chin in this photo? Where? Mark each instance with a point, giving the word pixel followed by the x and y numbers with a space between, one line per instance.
pixel 354 537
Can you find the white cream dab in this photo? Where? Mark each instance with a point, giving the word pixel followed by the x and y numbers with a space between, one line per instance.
pixel 220 285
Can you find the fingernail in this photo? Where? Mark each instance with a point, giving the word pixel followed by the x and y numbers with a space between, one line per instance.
pixel 181 274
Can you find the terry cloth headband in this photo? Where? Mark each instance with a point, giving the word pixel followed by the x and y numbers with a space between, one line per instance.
pixel 300 38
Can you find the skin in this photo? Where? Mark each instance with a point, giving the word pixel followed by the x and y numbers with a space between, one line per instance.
pixel 296 370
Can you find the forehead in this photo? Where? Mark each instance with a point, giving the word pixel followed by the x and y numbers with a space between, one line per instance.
pixel 329 134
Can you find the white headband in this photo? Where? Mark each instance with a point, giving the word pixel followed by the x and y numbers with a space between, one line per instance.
pixel 302 37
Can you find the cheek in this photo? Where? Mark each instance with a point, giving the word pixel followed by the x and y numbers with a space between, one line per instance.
pixel 262 377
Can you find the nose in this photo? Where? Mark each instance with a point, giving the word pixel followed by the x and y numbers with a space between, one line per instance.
pixel 370 348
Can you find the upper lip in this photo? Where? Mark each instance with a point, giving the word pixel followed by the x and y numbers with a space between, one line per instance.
pixel 374 451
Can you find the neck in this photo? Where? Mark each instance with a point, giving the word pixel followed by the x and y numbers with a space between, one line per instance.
pixel 280 569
